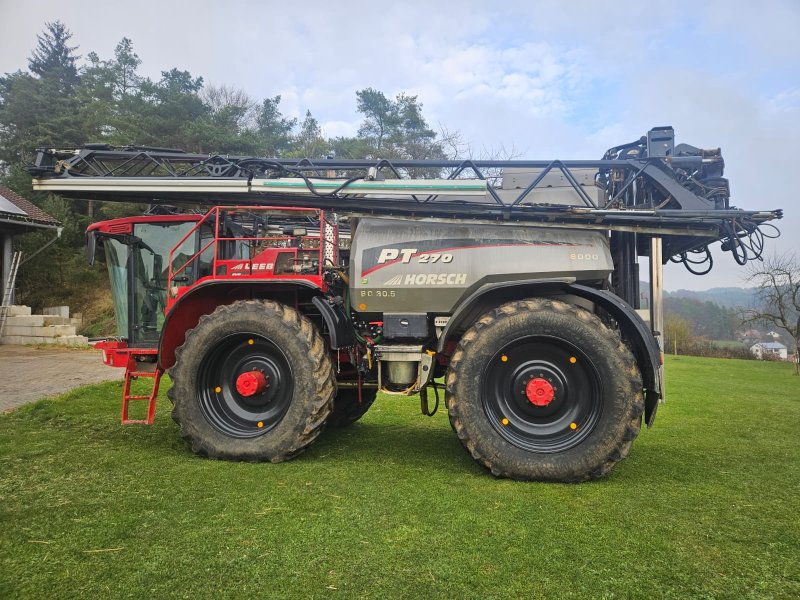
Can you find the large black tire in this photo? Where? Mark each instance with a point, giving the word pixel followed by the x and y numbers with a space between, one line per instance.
pixel 542 390
pixel 346 407
pixel 278 421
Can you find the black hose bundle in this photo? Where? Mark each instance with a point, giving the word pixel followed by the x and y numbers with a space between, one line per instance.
pixel 688 260
pixel 744 239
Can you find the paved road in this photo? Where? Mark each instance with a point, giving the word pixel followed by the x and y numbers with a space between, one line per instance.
pixel 27 374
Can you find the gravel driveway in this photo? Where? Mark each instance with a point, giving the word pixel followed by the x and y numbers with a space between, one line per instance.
pixel 28 374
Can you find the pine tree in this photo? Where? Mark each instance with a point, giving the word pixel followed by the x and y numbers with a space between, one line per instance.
pixel 53 57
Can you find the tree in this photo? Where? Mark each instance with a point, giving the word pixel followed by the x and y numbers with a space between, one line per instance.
pixel 229 123
pixel 413 135
pixel 53 57
pixel 39 107
pixel 677 333
pixel 234 104
pixel 125 64
pixel 112 103
pixel 169 108
pixel 708 319
pixel 380 117
pixel 309 142
pixel 777 280
pixel 396 128
pixel 273 129
pixel 95 97
pixel 350 147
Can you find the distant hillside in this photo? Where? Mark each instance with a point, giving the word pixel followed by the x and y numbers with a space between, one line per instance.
pixel 705 317
pixel 730 297
pixel 711 314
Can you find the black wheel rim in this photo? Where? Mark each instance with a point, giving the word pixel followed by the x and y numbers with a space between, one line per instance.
pixel 564 372
pixel 231 412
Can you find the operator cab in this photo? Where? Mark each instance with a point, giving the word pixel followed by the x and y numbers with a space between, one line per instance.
pixel 154 259
pixel 137 255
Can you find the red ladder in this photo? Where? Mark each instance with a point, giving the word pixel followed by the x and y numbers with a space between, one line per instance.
pixel 134 370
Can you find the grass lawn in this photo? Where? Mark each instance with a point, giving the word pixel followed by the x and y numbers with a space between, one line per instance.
pixel 707 505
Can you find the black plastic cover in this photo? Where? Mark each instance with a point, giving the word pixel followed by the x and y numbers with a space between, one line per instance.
pixel 402 326
pixel 339 328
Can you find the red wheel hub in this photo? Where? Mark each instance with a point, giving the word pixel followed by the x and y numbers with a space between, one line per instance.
pixel 539 391
pixel 251 383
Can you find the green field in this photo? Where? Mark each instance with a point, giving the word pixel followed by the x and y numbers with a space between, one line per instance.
pixel 707 505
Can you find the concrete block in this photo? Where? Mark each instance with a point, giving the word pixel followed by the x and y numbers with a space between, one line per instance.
pixel 49 331
pixel 18 330
pixel 66 340
pixel 54 330
pixel 55 320
pixel 72 340
pixel 26 339
pixel 18 310
pixel 57 311
pixel 25 321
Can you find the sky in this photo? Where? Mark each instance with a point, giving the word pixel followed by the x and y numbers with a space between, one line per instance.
pixel 539 80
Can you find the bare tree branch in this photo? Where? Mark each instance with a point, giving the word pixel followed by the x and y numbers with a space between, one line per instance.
pixel 234 102
pixel 777 282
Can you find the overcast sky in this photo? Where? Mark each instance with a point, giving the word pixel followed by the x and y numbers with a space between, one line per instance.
pixel 546 79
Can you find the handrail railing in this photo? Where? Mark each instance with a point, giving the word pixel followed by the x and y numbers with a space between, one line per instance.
pixel 215 215
pixel 170 272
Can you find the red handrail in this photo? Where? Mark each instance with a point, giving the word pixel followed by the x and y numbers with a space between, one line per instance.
pixel 170 272
pixel 215 212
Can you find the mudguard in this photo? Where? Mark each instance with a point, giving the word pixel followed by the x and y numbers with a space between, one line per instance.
pixel 339 329
pixel 643 343
pixel 204 298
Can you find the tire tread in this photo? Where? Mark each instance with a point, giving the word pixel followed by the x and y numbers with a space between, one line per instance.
pixel 634 383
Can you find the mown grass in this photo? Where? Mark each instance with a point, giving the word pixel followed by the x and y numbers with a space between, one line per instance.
pixel 707 505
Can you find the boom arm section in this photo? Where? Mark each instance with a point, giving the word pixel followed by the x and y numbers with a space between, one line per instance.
pixel 650 186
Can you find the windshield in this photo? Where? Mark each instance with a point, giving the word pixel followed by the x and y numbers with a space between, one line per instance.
pixel 150 266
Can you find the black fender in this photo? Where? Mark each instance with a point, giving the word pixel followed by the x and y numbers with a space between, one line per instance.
pixel 471 307
pixel 339 329
pixel 633 329
pixel 643 343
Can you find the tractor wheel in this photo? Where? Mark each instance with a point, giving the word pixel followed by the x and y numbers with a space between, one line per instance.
pixel 253 381
pixel 541 390
pixel 346 407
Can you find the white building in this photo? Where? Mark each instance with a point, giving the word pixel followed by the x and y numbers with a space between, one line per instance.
pixel 773 350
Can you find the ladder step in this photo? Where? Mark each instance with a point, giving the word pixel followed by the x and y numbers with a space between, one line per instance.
pixel 151 398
